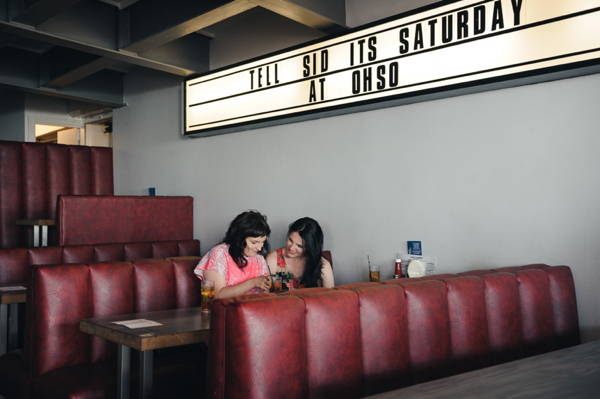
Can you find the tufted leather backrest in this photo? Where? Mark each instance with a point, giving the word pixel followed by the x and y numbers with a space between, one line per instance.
pixel 59 296
pixel 363 339
pixel 15 262
pixel 123 219
pixel 33 175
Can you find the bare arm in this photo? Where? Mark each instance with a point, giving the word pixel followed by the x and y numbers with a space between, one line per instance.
pixel 272 262
pixel 327 274
pixel 221 291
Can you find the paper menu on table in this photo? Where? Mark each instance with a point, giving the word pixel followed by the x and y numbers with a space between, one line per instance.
pixel 137 323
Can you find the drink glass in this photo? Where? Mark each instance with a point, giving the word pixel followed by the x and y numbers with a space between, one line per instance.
pixel 374 273
pixel 270 282
pixel 277 284
pixel 207 293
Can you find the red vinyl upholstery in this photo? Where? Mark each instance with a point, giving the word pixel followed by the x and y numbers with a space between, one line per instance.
pixel 61 361
pixel 362 339
pixel 25 193
pixel 123 219
pixel 15 262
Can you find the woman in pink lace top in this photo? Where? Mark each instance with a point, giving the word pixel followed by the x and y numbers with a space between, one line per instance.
pixel 236 265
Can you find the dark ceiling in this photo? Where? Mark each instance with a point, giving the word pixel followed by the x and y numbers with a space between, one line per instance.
pixel 80 49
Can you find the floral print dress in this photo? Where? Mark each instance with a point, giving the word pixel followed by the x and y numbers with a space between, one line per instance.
pixel 282 268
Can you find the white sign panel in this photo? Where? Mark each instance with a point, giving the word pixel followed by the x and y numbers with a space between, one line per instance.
pixel 461 43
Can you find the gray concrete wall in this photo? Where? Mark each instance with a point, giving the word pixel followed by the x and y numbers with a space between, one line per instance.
pixel 505 177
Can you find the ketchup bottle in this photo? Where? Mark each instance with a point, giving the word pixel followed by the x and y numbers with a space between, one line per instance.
pixel 398 269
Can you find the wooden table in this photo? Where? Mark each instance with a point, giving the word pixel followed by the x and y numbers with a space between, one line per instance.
pixel 39 238
pixel 179 327
pixel 10 296
pixel 572 373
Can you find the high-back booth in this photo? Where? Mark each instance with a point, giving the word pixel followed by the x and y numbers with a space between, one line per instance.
pixel 33 175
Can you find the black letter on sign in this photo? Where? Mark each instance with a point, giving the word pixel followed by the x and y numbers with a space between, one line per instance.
pixel 367 79
pixel 381 77
pixel 418 37
pixel 432 32
pixel 498 18
pixel 305 62
pixel 322 81
pixel 313 93
pixel 447 29
pixel 403 41
pixel 393 74
pixel 479 20
pixel 516 4
pixel 324 60
pixel 372 48
pixel 463 27
pixel 355 82
pixel 251 80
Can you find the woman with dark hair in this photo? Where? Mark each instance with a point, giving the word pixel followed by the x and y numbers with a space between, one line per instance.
pixel 301 256
pixel 237 265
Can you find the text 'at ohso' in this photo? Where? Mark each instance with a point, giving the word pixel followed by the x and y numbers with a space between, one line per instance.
pixel 264 76
pixel 314 64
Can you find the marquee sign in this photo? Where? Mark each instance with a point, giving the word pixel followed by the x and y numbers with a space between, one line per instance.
pixel 460 43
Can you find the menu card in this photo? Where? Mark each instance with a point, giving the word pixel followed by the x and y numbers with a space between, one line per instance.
pixel 138 323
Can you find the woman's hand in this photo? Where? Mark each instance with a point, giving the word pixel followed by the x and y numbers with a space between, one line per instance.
pixel 222 291
pixel 261 282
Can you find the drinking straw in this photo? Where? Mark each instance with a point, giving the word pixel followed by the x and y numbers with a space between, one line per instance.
pixel 369 261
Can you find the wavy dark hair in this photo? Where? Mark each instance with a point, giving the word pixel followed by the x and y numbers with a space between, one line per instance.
pixel 312 237
pixel 247 224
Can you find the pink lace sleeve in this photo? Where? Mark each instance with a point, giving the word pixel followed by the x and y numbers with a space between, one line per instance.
pixel 215 260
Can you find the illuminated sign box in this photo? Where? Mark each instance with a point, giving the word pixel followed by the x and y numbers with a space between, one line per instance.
pixel 457 45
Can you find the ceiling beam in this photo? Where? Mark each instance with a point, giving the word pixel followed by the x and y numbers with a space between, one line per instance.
pixel 117 55
pixel 310 13
pixel 183 21
pixel 38 12
pixel 19 71
pixel 78 73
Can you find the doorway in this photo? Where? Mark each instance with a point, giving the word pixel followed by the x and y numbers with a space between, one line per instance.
pixel 96 133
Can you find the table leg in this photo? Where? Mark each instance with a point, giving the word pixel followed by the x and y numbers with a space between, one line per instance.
pixel 36 236
pixel 146 371
pixel 13 327
pixel 123 387
pixel 3 328
pixel 44 236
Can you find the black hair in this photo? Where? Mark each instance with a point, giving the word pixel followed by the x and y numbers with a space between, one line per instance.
pixel 247 224
pixel 312 237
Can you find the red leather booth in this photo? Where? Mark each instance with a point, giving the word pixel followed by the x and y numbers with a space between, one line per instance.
pixel 362 339
pixel 33 175
pixel 60 361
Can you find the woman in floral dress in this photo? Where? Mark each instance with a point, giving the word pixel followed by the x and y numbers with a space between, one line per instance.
pixel 301 257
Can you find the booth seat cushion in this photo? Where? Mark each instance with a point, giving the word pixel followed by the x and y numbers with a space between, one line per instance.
pixel 173 377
